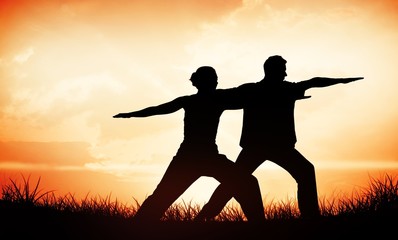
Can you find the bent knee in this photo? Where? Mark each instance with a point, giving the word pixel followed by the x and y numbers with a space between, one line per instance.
pixel 252 179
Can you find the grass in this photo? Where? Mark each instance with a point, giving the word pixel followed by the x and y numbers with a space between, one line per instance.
pixel 28 211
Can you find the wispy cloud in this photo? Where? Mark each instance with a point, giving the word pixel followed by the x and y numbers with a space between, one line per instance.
pixel 128 172
pixel 24 56
pixel 38 167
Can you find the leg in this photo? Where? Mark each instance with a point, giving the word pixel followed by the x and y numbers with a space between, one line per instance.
pixel 174 182
pixel 246 163
pixel 244 187
pixel 248 194
pixel 303 172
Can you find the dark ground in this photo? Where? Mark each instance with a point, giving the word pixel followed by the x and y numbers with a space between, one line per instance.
pixel 39 223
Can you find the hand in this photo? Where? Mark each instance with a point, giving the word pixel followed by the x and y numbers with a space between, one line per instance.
pixel 347 80
pixel 121 115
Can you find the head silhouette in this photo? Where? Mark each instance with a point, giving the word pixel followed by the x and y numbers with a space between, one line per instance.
pixel 205 78
pixel 275 68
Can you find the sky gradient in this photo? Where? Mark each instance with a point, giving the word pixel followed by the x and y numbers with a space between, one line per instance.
pixel 67 67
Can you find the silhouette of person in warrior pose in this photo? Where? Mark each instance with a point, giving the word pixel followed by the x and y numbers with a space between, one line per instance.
pixel 268 133
pixel 198 153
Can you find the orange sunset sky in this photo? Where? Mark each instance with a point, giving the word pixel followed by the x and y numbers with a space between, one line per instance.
pixel 67 67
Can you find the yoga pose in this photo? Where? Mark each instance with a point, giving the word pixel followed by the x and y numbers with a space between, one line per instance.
pixel 268 133
pixel 198 153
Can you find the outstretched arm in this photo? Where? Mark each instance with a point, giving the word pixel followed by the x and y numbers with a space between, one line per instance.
pixel 164 108
pixel 325 82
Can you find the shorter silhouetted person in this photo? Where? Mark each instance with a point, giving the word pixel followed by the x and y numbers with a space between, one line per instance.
pixel 268 133
pixel 198 153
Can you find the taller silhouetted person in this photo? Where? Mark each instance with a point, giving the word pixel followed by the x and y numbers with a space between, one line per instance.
pixel 198 153
pixel 268 133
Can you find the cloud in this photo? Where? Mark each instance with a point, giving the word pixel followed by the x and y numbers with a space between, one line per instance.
pixel 24 56
pixel 66 98
pixel 54 154
pixel 128 172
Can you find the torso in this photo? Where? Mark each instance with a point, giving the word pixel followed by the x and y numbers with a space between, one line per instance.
pixel 268 118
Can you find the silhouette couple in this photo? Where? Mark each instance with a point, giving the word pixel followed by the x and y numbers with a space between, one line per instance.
pixel 268 133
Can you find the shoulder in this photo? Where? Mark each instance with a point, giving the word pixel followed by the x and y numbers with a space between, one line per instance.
pixel 248 85
pixel 246 88
pixel 241 89
pixel 183 99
